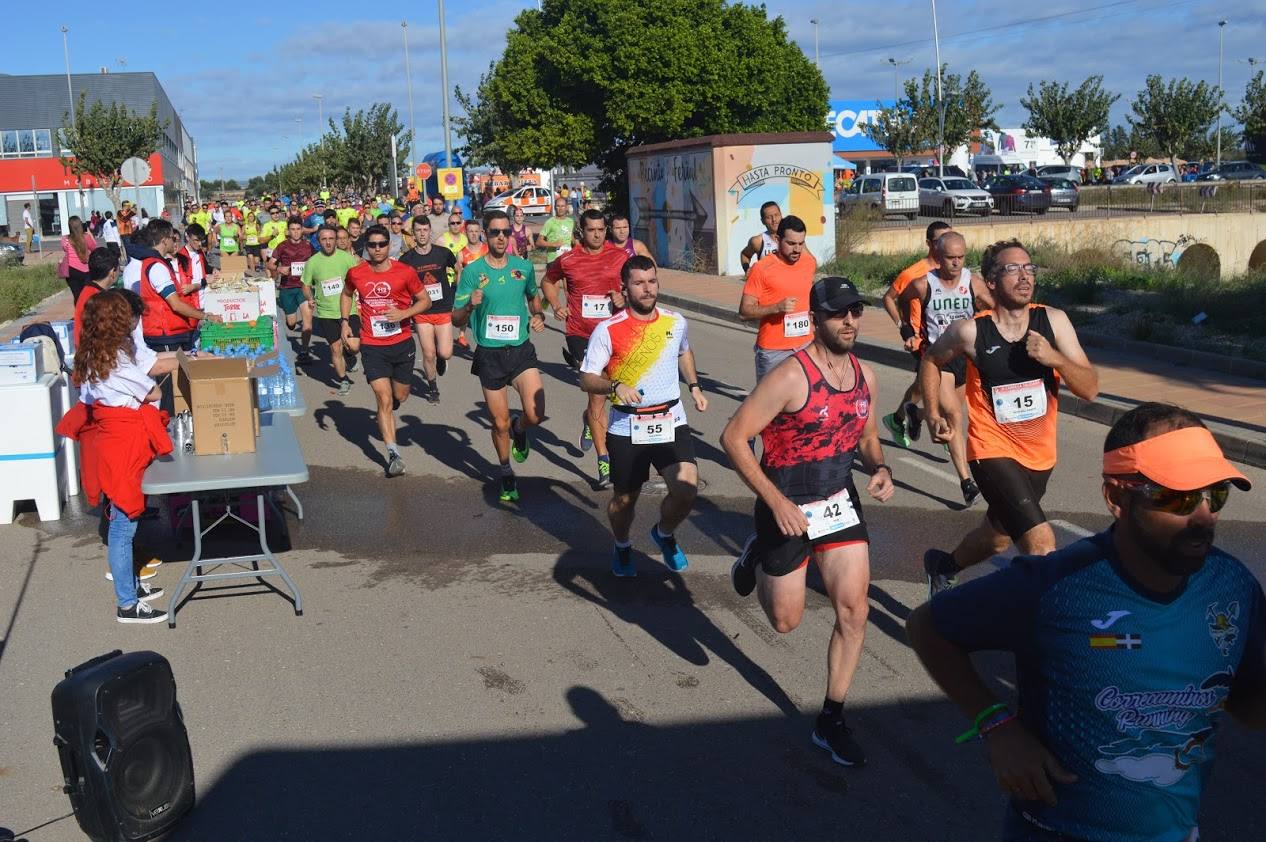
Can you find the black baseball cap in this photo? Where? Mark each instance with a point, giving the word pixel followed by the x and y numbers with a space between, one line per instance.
pixel 833 295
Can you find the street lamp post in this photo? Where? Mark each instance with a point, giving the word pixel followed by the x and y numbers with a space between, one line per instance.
pixel 896 81
pixel 408 77
pixel 70 92
pixel 320 123
pixel 817 56
pixel 940 99
pixel 1218 130
pixel 448 142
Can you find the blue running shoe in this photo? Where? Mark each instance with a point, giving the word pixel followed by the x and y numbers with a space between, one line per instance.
pixel 673 556
pixel 622 563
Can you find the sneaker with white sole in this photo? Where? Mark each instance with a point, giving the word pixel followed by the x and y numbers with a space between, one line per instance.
pixel 146 592
pixel 743 572
pixel 395 467
pixel 141 612
pixel 837 738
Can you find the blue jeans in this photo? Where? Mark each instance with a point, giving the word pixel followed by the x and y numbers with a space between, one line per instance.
pixel 122 531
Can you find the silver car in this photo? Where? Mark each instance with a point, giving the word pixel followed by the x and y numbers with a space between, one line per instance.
pixel 1147 174
pixel 1059 171
pixel 952 196
pixel 1063 192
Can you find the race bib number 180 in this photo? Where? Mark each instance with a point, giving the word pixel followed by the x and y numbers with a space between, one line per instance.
pixel 795 324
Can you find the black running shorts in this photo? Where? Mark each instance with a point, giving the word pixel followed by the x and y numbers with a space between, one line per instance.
pixel 631 463
pixel 1013 492
pixel 390 361
pixel 497 368
pixel 779 555
pixel 331 330
pixel 578 346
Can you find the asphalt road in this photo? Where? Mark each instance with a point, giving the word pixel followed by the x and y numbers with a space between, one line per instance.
pixel 467 669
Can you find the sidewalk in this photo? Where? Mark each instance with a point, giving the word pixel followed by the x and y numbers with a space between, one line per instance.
pixel 1234 407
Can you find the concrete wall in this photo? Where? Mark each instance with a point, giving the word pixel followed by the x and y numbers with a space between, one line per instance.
pixel 1237 239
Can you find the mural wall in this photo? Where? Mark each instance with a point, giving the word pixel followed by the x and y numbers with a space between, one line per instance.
pixel 672 207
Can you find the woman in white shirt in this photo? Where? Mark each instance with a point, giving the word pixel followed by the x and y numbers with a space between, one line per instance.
pixel 121 430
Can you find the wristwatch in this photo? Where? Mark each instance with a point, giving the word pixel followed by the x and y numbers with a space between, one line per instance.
pixel 690 386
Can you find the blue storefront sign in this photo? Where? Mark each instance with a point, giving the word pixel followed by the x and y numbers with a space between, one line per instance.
pixel 845 121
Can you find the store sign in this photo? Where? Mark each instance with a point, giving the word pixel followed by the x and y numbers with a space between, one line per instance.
pixel 846 119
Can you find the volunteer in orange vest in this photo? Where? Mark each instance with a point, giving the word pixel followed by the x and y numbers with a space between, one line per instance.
pixel 171 316
pixel 191 264
pixel 776 294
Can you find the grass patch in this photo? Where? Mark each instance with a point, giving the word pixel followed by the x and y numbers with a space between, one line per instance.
pixel 22 287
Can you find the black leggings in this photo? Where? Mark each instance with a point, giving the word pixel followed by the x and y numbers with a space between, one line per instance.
pixel 77 280
pixel 1014 494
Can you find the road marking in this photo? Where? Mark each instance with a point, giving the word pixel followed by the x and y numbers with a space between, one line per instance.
pixel 918 463
pixel 1073 528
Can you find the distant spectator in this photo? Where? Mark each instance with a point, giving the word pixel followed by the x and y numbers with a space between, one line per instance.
pixel 110 233
pixel 28 227
pixel 77 245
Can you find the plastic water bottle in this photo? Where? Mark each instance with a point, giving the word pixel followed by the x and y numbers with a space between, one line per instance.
pixel 288 393
pixel 274 389
pixel 262 388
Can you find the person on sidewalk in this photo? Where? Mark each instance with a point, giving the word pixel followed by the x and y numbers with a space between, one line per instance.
pixel 904 423
pixel 1130 646
pixel 28 227
pixel 76 246
pixel 1017 355
pixel 776 294
pixel 120 431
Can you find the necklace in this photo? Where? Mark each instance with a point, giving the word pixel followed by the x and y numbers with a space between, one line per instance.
pixel 838 375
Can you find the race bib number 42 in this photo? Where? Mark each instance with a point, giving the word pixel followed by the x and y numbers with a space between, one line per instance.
pixel 595 307
pixel 505 328
pixel 652 429
pixel 833 514
pixel 795 324
pixel 1017 402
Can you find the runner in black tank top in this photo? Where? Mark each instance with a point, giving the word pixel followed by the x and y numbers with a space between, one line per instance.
pixel 813 413
pixel 1017 355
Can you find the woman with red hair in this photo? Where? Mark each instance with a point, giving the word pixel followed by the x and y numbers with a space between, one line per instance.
pixel 120 430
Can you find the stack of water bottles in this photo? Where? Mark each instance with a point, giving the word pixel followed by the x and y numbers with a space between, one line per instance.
pixel 277 391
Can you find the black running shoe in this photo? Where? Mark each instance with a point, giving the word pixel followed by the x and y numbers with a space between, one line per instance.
pixel 432 392
pixel 743 572
pixel 914 420
pixel 569 359
pixel 141 612
pixel 441 366
pixel 837 738
pixel 941 571
pixel 971 491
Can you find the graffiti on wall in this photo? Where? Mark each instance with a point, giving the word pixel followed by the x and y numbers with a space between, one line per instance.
pixel 1150 253
pixel 671 200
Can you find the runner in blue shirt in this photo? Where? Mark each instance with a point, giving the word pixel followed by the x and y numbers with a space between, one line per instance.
pixel 1129 647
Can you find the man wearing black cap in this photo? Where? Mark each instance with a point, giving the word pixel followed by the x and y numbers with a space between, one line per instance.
pixel 813 412
pixel 1130 646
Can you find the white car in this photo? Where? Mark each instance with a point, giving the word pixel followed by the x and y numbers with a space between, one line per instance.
pixel 886 192
pixel 952 196
pixel 1147 174
pixel 530 197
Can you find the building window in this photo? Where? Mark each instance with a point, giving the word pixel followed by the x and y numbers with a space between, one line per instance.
pixel 9 141
pixel 26 143
pixel 43 142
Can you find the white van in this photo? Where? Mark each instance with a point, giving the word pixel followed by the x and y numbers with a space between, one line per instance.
pixel 887 192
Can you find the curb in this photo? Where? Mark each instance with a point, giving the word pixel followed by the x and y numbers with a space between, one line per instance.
pixel 1238 448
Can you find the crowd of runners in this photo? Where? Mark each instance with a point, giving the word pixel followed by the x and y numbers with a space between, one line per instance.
pixel 380 285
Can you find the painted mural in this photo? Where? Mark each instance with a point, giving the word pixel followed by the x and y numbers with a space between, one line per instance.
pixel 671 204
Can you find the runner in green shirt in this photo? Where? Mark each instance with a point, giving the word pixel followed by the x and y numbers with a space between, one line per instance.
pixel 227 233
pixel 558 231
pixel 498 292
pixel 323 276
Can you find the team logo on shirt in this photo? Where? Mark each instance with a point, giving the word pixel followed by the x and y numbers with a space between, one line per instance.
pixel 863 408
pixel 1116 641
pixel 1222 626
pixel 382 289
pixel 517 274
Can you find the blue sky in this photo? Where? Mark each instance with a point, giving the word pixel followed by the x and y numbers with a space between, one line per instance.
pixel 243 77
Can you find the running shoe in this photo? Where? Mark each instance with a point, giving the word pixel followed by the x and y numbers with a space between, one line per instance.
pixel 898 430
pixel 940 569
pixel 971 491
pixel 432 392
pixel 353 362
pixel 344 387
pixel 519 446
pixel 586 435
pixel 509 489
pixel 395 466
pixel 146 593
pixel 441 366
pixel 914 420
pixel 604 471
pixel 743 573
pixel 304 358
pixel 837 738
pixel 673 556
pixel 622 563
pixel 462 341
pixel 141 612
pixel 569 359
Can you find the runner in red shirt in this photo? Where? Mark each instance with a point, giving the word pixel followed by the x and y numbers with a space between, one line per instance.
pixel 389 294
pixel 592 273
pixel 286 266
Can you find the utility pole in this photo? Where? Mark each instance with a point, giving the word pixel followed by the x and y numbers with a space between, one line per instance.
pixel 408 77
pixel 321 122
pixel 70 92
pixel 940 99
pixel 448 138
pixel 896 82
pixel 1218 130
pixel 817 56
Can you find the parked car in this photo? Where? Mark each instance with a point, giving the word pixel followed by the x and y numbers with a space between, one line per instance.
pixel 1233 171
pixel 1063 192
pixel 11 254
pixel 951 196
pixel 1059 171
pixel 530 197
pixel 887 192
pixel 1147 174
pixel 1013 193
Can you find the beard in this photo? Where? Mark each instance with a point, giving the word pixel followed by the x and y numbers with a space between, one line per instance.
pixel 835 343
pixel 1181 554
pixel 640 308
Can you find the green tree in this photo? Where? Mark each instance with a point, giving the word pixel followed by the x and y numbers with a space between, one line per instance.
pixel 898 130
pixel 582 81
pixel 357 152
pixel 103 136
pixel 969 106
pixel 1202 147
pixel 1252 116
pixel 1176 116
pixel 1069 118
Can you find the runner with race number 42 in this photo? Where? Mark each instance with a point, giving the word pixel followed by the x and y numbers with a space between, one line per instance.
pixel 634 358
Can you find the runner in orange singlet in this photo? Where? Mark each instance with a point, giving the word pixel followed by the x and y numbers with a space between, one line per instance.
pixel 1017 354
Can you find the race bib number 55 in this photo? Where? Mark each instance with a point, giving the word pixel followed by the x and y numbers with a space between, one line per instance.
pixel 652 429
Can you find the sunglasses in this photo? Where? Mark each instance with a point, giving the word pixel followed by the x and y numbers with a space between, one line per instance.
pixel 498 232
pixel 1179 502
pixel 451 224
pixel 854 310
pixel 377 244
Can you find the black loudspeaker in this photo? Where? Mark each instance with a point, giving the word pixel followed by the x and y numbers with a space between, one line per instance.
pixel 123 746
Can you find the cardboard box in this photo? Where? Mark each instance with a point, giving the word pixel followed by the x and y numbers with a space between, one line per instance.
pixel 267 296
pixel 220 394
pixel 233 264
pixel 20 364
pixel 232 305
pixel 65 330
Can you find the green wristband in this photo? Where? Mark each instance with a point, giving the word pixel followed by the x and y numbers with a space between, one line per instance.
pixel 974 732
